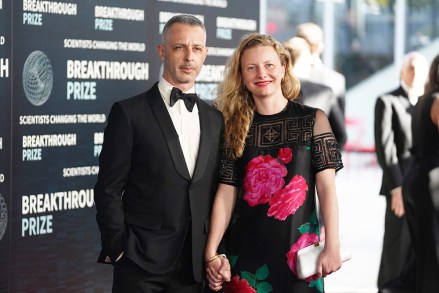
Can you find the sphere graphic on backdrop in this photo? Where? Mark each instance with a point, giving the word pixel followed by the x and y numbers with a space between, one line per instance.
pixel 37 78
pixel 3 216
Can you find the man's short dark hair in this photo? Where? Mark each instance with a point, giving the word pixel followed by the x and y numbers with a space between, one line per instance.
pixel 186 19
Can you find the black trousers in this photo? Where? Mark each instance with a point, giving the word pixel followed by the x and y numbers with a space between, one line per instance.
pixel 129 277
pixel 397 248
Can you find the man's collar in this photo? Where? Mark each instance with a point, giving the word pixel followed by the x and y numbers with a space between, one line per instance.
pixel 165 89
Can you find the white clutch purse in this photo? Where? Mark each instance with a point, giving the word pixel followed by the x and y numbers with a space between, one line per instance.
pixel 306 260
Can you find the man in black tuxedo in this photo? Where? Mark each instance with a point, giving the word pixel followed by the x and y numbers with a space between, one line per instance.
pixel 393 140
pixel 158 173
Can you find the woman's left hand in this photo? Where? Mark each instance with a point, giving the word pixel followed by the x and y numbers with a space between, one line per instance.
pixel 329 261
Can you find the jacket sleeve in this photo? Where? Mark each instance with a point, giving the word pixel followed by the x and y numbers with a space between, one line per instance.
pixel 337 120
pixel 385 143
pixel 114 165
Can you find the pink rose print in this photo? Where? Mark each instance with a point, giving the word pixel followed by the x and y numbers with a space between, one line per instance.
pixel 237 285
pixel 305 240
pixel 286 201
pixel 263 177
pixel 314 277
pixel 285 155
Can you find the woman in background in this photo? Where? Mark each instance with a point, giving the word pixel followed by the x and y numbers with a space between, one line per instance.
pixel 421 186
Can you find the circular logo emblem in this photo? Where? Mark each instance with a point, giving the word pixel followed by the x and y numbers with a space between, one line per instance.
pixel 3 216
pixel 37 78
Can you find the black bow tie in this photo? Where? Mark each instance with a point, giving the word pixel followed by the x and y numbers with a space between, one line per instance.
pixel 189 99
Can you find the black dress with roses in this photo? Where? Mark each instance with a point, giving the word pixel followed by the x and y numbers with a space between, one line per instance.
pixel 275 214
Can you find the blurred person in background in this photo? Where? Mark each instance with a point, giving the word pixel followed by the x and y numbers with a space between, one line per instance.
pixel 319 73
pixel 421 185
pixel 393 140
pixel 315 94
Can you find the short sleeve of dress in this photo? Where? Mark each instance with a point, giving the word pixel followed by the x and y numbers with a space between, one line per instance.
pixel 326 152
pixel 228 171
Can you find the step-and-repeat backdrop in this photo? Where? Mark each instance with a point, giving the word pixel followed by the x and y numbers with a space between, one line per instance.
pixel 62 65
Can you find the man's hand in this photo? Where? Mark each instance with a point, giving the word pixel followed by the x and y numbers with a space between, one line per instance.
pixel 397 202
pixel 217 272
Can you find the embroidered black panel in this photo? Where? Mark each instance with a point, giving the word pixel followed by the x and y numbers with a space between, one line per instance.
pixel 280 132
pixel 326 152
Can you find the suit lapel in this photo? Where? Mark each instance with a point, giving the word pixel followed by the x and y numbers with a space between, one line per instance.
pixel 401 92
pixel 168 130
pixel 205 141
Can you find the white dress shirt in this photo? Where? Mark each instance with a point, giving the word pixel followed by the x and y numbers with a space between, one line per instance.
pixel 413 93
pixel 187 124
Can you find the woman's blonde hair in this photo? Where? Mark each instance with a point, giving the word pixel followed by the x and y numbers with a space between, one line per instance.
pixel 235 100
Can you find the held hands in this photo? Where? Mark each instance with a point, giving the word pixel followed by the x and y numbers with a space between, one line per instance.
pixel 329 261
pixel 217 271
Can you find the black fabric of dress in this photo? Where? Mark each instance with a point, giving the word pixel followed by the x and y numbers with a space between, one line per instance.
pixel 421 189
pixel 275 214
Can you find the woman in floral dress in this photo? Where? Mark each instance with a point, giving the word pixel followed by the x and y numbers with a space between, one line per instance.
pixel 277 153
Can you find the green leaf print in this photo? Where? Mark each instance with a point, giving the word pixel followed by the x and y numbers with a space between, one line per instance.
pixel 234 219
pixel 315 226
pixel 254 280
pixel 232 260
pixel 264 287
pixel 313 218
pixel 262 273
pixel 318 284
pixel 251 279
pixel 305 228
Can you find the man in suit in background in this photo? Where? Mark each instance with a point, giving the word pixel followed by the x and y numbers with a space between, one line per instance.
pixel 393 140
pixel 158 173
pixel 319 73
pixel 312 93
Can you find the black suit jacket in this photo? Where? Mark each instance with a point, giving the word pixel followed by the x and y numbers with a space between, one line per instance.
pixel 144 195
pixel 393 137
pixel 319 73
pixel 321 96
